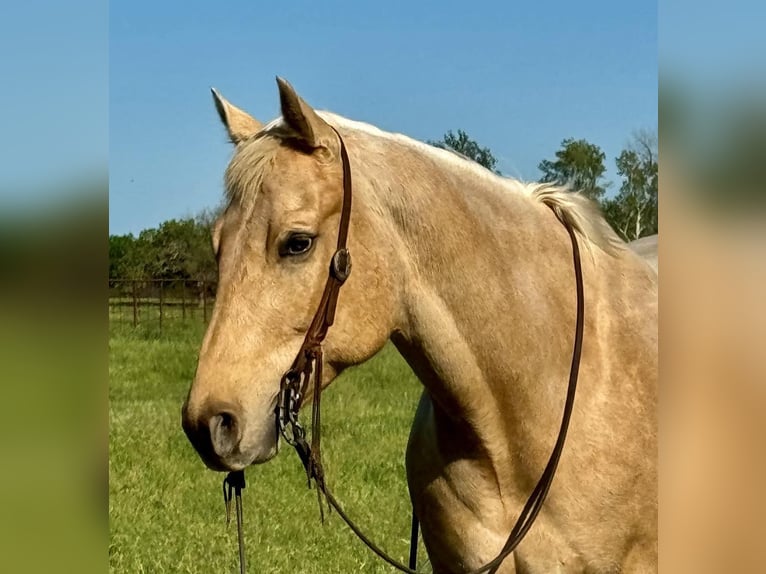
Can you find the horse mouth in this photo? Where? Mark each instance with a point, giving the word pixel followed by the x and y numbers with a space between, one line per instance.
pixel 238 460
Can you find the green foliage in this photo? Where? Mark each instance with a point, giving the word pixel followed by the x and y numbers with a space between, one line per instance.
pixel 120 249
pixel 177 249
pixel 579 164
pixel 464 145
pixel 633 211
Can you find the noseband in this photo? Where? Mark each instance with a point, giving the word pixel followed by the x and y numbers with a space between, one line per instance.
pixel 307 366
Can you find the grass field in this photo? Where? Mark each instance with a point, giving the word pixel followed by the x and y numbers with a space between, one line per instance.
pixel 166 509
pixel 174 316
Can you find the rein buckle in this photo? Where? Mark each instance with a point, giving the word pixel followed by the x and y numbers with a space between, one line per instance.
pixel 340 267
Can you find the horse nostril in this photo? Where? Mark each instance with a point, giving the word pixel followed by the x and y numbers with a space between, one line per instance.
pixel 215 430
pixel 224 432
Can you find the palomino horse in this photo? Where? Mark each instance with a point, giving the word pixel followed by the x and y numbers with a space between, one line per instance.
pixel 470 275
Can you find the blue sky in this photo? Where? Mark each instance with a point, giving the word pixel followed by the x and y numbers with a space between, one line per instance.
pixel 518 78
pixel 54 97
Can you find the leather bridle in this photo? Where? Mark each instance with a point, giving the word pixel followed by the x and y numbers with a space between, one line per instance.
pixel 309 360
pixel 307 366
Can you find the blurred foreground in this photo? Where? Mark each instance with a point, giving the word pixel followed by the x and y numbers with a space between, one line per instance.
pixel 53 368
pixel 713 332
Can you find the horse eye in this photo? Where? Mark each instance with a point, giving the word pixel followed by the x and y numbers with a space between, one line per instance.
pixel 296 244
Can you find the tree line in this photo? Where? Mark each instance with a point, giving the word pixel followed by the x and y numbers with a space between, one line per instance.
pixel 177 249
pixel 580 164
pixel 180 249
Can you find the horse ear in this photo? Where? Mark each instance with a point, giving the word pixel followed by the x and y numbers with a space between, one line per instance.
pixel 301 118
pixel 239 123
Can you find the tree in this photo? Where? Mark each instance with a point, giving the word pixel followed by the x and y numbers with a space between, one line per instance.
pixel 120 248
pixel 633 211
pixel 178 249
pixel 467 147
pixel 579 164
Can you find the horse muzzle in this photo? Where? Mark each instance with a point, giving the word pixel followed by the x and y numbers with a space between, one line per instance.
pixel 218 433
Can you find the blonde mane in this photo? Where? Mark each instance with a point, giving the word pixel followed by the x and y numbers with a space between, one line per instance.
pixel 580 212
pixel 251 163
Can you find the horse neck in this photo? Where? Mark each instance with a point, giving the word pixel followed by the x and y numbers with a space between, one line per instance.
pixel 489 297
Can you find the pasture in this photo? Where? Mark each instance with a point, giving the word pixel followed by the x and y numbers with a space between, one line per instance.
pixel 166 510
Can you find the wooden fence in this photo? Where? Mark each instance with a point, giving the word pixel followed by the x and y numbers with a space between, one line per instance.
pixel 160 300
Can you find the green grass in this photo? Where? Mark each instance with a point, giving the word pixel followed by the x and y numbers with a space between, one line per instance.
pixel 166 509
pixel 174 320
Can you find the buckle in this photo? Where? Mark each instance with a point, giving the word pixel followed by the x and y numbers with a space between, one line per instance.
pixel 340 267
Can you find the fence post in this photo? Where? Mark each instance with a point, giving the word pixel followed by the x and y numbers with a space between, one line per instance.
pixel 135 304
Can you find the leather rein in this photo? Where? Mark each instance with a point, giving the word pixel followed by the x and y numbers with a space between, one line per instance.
pixel 307 366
